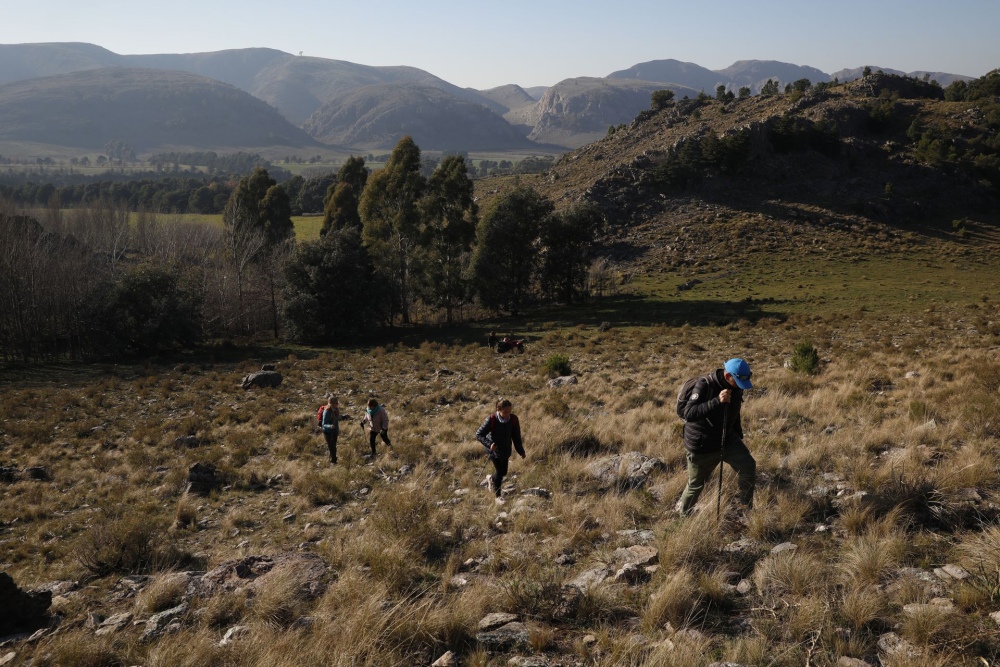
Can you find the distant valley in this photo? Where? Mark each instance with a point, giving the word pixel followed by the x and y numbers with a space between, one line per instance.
pixel 82 96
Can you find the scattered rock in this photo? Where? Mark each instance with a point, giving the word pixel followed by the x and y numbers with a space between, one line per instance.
pixel 725 664
pixel 446 660
pixel 935 606
pixel 255 571
pixel 893 645
pixel 630 573
pixel 562 381
pixel 537 491
pixel 564 559
pixel 911 374
pixel 21 611
pixel 637 536
pixel 744 546
pixel 625 471
pixel 289 518
pixel 783 547
pixel 158 623
pixel 951 572
pixel 497 620
pixel 638 555
pixel 996 617
pixel 263 379
pixel 590 577
pixel 113 624
pixel 531 661
pixel 59 587
pixel 744 587
pixel 844 661
pixel 511 636
pixel 202 479
pixel 234 633
pixel 188 441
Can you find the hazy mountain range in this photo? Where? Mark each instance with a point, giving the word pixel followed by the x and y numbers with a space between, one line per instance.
pixel 82 95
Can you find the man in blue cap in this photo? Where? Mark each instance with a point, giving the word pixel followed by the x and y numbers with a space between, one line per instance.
pixel 713 432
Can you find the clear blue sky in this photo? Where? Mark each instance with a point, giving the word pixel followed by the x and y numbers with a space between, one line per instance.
pixel 540 42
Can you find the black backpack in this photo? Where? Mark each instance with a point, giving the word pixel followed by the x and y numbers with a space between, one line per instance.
pixel 684 395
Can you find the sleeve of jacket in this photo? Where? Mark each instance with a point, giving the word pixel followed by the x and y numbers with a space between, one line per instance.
pixel 384 421
pixel 701 409
pixel 484 434
pixel 515 435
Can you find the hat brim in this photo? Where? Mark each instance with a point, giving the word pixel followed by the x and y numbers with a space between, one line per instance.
pixel 742 384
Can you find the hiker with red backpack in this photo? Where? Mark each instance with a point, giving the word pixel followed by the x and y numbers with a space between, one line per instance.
pixel 329 420
pixel 500 430
pixel 377 420
pixel 713 434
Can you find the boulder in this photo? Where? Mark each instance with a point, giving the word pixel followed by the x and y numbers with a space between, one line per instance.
pixel 493 621
pixel 783 547
pixel 638 555
pixel 157 623
pixel 590 577
pixel 511 636
pixel 21 611
pixel 951 572
pixel 562 381
pixel 637 536
pixel 891 644
pixel 625 471
pixel 234 633
pixel 446 660
pixel 254 571
pixel 202 479
pixel 263 379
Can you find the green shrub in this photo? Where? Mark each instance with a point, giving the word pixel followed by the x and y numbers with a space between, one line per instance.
pixel 557 365
pixel 805 359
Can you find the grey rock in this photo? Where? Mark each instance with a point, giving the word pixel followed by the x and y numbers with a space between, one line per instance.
pixel 625 471
pixel 59 587
pixel 188 441
pixel 844 661
pixel 446 660
pixel 744 546
pixel 8 658
pixel 562 381
pixel 530 661
pixel 637 536
pixel 726 664
pixel 255 571
pixel 511 636
pixel 744 587
pixel 158 623
pixel 21 611
pixel 630 573
pixel 263 379
pixel 234 633
pixel 637 555
pixel 590 577
pixel 783 547
pixel 951 572
pixel 496 620
pixel 537 491
pixel 893 645
pixel 996 617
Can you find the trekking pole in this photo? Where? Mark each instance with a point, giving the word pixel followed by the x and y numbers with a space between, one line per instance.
pixel 722 452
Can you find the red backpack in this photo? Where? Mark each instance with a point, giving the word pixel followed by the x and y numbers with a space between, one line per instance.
pixel 319 416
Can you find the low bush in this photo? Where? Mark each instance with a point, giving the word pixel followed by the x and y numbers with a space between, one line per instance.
pixel 557 365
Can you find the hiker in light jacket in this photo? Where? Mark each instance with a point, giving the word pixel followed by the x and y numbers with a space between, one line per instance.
pixel 331 426
pixel 500 430
pixel 378 423
pixel 703 416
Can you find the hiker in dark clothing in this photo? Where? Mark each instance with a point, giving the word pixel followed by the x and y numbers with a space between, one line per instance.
pixel 715 398
pixel 492 340
pixel 331 426
pixel 500 430
pixel 378 423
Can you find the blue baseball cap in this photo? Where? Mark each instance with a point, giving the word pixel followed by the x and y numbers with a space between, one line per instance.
pixel 740 370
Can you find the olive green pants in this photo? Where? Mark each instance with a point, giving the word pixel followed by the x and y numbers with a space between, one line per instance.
pixel 701 466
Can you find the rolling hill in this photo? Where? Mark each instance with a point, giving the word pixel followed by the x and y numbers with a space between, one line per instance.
pixel 145 108
pixel 378 116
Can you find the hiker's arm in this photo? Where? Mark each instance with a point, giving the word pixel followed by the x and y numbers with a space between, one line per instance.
pixel 702 409
pixel 483 434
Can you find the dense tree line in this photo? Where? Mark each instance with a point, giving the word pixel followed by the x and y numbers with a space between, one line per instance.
pixel 398 246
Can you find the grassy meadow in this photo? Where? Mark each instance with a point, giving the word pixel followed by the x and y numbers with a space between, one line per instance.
pixel 880 467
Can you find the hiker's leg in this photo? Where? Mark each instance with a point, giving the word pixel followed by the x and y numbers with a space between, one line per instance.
pixel 385 437
pixel 331 443
pixel 742 461
pixel 700 467
pixel 371 441
pixel 500 468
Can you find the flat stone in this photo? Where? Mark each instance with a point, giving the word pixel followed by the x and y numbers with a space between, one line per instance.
pixel 590 577
pixel 530 661
pixel 537 491
pixel 892 644
pixel 844 661
pixel 637 536
pixel 562 381
pixel 511 636
pixel 917 609
pixel 951 572
pixel 783 547
pixel 637 555
pixel 446 660
pixel 496 620
pixel 630 573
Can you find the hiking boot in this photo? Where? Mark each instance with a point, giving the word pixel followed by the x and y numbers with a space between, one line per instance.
pixel 679 509
pixel 490 485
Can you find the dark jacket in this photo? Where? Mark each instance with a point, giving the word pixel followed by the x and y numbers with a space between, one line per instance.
pixel 331 419
pixel 495 432
pixel 703 415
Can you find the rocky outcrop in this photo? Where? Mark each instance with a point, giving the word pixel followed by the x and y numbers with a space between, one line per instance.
pixel 263 379
pixel 625 471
